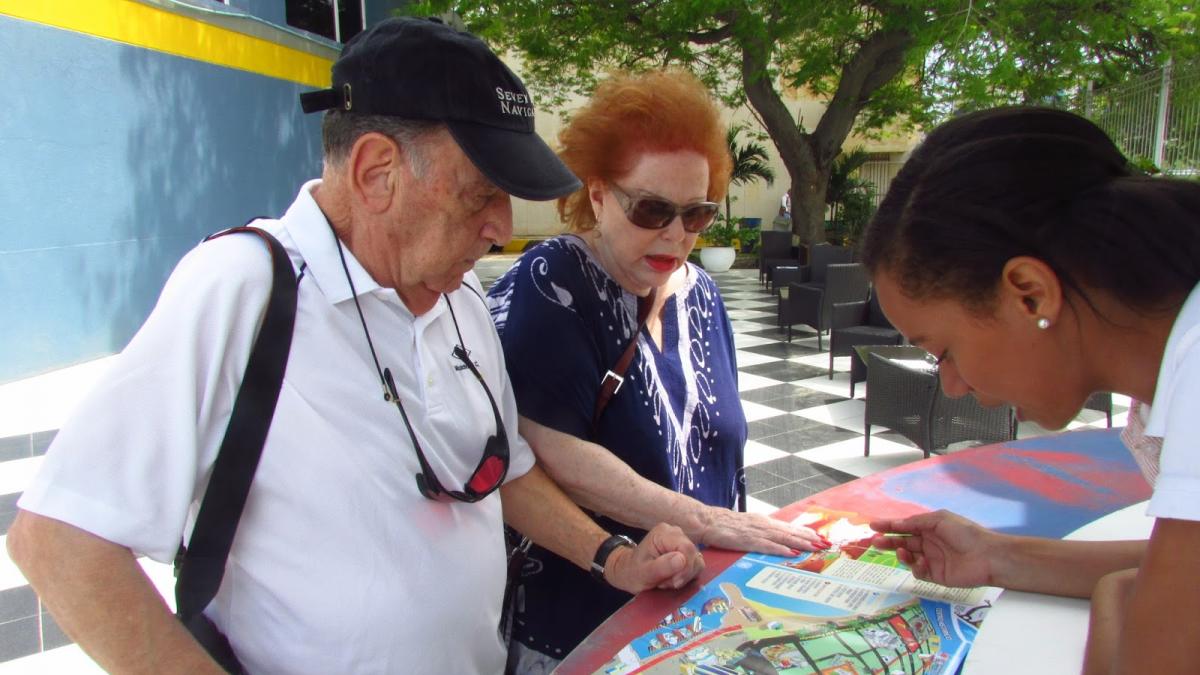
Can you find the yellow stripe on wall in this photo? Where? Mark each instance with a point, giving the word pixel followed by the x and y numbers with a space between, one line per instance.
pixel 153 28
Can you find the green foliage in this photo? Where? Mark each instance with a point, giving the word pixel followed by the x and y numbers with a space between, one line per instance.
pixel 854 213
pixel 873 63
pixel 721 233
pixel 956 53
pixel 750 162
pixel 851 199
pixel 748 238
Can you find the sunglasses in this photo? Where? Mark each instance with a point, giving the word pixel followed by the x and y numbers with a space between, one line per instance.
pixel 493 465
pixel 654 213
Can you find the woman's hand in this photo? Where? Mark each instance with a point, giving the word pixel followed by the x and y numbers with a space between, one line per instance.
pixel 740 531
pixel 941 547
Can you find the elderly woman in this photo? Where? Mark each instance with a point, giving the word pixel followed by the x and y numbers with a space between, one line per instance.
pixel 616 301
pixel 1019 247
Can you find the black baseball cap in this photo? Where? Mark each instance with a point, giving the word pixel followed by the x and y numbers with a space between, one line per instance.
pixel 422 69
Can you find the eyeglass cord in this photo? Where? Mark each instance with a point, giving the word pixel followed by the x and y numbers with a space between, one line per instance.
pixel 390 393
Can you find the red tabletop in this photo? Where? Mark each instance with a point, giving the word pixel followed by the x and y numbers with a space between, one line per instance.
pixel 1047 486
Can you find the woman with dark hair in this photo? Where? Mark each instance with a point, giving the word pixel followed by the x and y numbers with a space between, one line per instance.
pixel 615 300
pixel 1020 248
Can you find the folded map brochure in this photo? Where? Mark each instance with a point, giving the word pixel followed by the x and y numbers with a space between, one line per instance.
pixel 851 610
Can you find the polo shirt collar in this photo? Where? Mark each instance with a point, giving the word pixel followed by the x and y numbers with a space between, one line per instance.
pixel 314 239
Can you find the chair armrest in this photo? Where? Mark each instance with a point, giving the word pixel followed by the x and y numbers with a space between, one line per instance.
pixel 783 275
pixel 847 314
pixel 803 295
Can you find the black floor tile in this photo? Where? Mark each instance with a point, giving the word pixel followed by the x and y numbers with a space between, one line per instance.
pixel 784 371
pixel 771 426
pixel 807 439
pixel 787 493
pixel 801 399
pixel 8 502
pixel 17 603
pixel 828 479
pixel 758 480
pixel 14 447
pixel 19 638
pixel 52 634
pixel 41 441
pixel 6 521
pixel 780 350
pixel 793 469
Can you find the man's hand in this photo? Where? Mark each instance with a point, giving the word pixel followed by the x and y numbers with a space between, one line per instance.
pixel 739 531
pixel 665 558
pixel 940 547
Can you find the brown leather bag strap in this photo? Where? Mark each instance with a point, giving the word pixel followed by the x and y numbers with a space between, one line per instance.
pixel 615 376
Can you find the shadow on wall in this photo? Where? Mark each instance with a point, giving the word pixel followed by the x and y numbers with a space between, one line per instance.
pixel 120 160
pixel 213 148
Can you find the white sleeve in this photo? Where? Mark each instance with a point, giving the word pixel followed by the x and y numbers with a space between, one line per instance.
pixel 1177 491
pixel 137 451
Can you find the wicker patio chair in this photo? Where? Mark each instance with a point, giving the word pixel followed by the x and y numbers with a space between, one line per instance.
pixel 852 324
pixel 909 400
pixel 774 248
pixel 811 305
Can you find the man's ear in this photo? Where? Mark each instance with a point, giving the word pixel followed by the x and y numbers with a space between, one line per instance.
pixel 1030 287
pixel 374 165
pixel 596 189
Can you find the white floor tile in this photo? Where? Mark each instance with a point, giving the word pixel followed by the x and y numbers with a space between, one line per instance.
pixel 838 386
pixel 745 359
pixel 757 453
pixel 848 456
pixel 746 382
pixel 742 326
pixel 757 411
pixel 42 403
pixel 759 506
pixel 845 414
pixel 10 576
pixel 818 360
pixel 68 659
pixel 741 340
pixel 16 474
pixel 163 578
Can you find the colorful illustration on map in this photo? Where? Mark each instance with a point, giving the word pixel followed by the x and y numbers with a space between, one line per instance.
pixel 852 610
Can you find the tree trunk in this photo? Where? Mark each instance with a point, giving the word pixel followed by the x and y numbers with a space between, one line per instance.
pixel 808 157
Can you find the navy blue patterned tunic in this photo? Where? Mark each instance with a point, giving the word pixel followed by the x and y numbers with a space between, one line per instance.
pixel 677 420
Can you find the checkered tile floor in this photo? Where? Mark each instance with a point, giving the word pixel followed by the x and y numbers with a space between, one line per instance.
pixel 806 435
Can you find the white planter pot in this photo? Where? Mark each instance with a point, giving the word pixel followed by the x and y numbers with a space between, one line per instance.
pixel 717 258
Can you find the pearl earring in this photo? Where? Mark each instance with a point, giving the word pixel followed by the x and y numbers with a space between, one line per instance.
pixel 1043 323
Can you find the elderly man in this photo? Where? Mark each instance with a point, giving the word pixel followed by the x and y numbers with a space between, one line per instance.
pixel 342 562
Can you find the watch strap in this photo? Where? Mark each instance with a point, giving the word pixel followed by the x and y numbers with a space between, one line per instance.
pixel 605 551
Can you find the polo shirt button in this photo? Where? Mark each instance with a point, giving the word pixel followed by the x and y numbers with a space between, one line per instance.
pixel 429 381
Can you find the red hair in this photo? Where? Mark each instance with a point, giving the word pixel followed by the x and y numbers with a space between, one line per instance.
pixel 658 111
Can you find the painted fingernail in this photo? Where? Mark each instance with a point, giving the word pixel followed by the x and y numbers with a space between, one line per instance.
pixel 795 552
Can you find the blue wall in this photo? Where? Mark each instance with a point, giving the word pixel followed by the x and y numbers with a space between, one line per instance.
pixel 117 161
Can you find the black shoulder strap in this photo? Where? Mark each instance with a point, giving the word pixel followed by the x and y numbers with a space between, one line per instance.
pixel 201 565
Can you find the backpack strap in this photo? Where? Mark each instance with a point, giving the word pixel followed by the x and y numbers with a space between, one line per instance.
pixel 201 565
pixel 615 377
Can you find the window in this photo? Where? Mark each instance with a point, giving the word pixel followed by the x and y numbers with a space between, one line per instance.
pixel 338 20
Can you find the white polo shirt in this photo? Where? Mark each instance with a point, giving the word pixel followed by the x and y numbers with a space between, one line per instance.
pixel 1173 418
pixel 339 564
